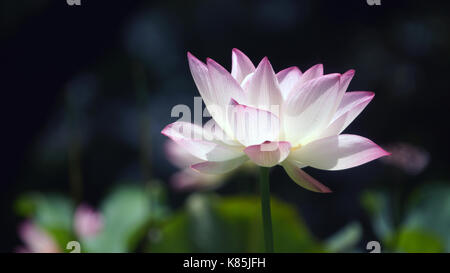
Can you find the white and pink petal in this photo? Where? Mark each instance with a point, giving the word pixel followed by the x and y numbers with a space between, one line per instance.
pixel 222 167
pixel 241 65
pixel 295 172
pixel 200 74
pixel 312 73
pixel 345 80
pixel 338 152
pixel 250 125
pixel 224 85
pixel 288 79
pixel 190 137
pixel 308 111
pixel 351 106
pixel 178 155
pixel 263 90
pixel 268 154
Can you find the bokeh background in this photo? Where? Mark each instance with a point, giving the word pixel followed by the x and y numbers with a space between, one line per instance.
pixel 87 89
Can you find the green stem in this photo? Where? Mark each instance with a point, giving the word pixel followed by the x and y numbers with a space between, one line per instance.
pixel 265 209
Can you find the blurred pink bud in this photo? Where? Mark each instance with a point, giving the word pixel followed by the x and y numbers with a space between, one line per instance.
pixel 36 240
pixel 88 222
pixel 409 158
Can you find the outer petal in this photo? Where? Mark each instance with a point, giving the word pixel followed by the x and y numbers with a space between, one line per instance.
pixel 338 152
pixel 309 110
pixel 263 89
pixel 312 73
pixel 224 85
pixel 224 88
pixel 216 86
pixel 190 137
pixel 204 85
pixel 251 126
pixel 288 79
pixel 351 106
pixel 269 153
pixel 211 128
pixel 345 80
pixel 209 167
pixel 241 65
pixel 293 169
pixel 246 82
pixel 200 74
pixel 178 156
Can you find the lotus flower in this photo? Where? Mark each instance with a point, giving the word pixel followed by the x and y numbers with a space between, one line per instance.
pixel 290 118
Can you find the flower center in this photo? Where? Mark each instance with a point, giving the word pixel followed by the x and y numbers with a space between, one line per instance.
pixel 296 147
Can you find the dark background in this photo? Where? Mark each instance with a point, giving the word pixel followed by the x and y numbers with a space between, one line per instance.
pixel 53 55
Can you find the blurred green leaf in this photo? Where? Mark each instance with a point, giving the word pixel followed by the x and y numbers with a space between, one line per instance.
pixel 429 210
pixel 418 241
pixel 425 225
pixel 346 239
pixel 25 205
pixel 232 224
pixel 205 223
pixel 376 204
pixel 52 212
pixel 127 213
pixel 172 236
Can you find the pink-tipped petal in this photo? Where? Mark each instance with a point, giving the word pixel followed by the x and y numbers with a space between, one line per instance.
pixel 351 106
pixel 209 167
pixel 269 153
pixel 338 152
pixel 241 65
pixel 308 111
pixel 345 80
pixel 178 156
pixel 352 100
pixel 312 73
pixel 225 86
pixel 191 138
pixel 200 74
pixel 293 169
pixel 250 125
pixel 212 98
pixel 288 79
pixel 263 89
